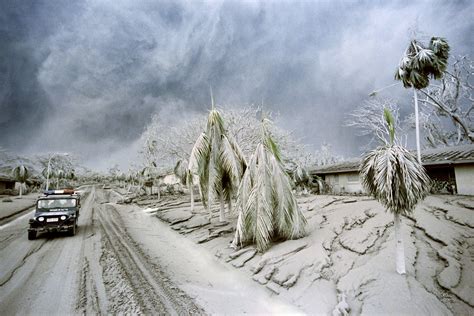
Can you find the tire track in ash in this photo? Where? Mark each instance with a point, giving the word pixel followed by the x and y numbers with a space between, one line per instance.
pixel 92 298
pixel 154 292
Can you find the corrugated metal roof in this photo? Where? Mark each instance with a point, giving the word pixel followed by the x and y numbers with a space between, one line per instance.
pixel 429 157
pixel 448 155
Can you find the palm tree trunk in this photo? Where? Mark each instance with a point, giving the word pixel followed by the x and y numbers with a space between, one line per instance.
pixel 191 189
pixel 221 213
pixel 230 205
pixel 417 127
pixel 21 189
pixel 209 201
pixel 400 251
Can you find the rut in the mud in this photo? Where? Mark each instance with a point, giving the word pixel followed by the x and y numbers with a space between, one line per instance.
pixel 100 270
pixel 129 273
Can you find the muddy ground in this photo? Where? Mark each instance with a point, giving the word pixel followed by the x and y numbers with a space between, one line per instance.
pixel 346 262
pixel 100 270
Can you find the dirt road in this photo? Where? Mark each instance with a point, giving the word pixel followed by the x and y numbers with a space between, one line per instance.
pixel 100 270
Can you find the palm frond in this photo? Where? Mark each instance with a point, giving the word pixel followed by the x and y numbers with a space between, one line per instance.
pixel 419 63
pixel 237 151
pixel 268 139
pixel 199 164
pixel 440 47
pixel 199 153
pixel 60 174
pixel 267 206
pixel 214 185
pixel 180 170
pixel 215 122
pixel 20 173
pixel 232 162
pixel 217 159
pixel 395 178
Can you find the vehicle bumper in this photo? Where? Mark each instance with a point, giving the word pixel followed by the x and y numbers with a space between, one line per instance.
pixel 51 229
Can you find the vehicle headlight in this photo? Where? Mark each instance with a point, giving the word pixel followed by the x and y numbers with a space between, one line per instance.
pixel 41 219
pixel 63 217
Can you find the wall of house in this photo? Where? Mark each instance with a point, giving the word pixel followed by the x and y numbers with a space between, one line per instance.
pixel 465 179
pixel 7 185
pixel 347 182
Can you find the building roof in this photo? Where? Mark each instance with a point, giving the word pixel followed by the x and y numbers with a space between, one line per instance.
pixel 5 177
pixel 430 157
pixel 448 155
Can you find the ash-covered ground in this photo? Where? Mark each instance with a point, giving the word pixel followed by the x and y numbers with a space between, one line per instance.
pixel 157 257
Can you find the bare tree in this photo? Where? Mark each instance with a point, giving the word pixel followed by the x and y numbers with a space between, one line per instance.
pixel 166 144
pixel 369 119
pixel 447 114
pixel 325 155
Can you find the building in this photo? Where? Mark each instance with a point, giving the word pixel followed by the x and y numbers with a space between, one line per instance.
pixel 6 182
pixel 450 167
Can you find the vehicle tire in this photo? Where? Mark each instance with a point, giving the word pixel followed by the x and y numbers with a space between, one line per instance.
pixel 72 231
pixel 31 235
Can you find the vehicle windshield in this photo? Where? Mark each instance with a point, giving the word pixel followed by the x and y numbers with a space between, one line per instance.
pixel 56 203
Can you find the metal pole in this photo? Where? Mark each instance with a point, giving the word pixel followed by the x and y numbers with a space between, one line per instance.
pixel 417 126
pixel 47 174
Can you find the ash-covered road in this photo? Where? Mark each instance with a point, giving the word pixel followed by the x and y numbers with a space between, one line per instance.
pixel 99 270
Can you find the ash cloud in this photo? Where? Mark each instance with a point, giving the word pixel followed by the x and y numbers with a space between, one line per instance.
pixel 87 76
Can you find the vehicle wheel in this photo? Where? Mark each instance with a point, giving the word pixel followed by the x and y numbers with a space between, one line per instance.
pixel 31 235
pixel 72 231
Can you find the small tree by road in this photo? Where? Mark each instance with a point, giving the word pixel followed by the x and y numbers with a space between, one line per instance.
pixel 395 178
pixel 267 206
pixel 219 163
pixel 20 173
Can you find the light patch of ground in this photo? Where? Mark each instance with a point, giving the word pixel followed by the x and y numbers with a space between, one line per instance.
pixel 347 258
pixel 17 204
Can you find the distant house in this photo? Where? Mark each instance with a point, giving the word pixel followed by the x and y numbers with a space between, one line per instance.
pixel 6 182
pixel 453 166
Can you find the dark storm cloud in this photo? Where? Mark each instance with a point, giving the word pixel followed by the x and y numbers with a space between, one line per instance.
pixel 95 71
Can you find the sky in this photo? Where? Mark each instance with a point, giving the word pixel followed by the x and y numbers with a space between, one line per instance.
pixel 87 76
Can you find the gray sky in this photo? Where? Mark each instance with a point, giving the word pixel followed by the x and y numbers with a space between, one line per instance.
pixel 86 76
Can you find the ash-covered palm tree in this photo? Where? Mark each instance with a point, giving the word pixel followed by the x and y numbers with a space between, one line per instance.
pixel 131 178
pixel 70 175
pixel 122 177
pixel 51 175
pixel 149 177
pixel 267 207
pixel 60 174
pixel 219 163
pixel 21 173
pixel 392 175
pixel 183 172
pixel 417 65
